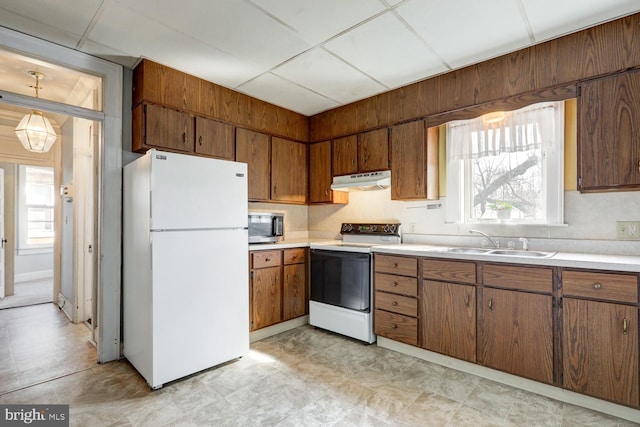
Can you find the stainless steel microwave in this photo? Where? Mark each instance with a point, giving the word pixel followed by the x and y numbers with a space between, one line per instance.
pixel 265 227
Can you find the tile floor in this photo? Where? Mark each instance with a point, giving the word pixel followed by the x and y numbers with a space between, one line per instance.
pixel 29 293
pixel 304 377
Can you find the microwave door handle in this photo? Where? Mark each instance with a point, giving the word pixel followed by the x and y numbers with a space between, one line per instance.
pixel 274 226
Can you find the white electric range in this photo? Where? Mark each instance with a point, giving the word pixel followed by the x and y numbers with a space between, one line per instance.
pixel 341 297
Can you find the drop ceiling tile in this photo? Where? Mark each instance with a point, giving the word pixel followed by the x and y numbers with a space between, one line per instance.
pixel 232 26
pixel 72 16
pixel 106 52
pixel 317 21
pixel 137 35
pixel 387 51
pixel 38 29
pixel 572 15
pixel 279 91
pixel 322 72
pixel 467 31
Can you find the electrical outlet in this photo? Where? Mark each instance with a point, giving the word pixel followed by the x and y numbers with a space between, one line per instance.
pixel 628 230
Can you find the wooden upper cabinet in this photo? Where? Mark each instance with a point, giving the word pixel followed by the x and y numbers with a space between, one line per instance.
pixel 373 150
pixel 320 177
pixel 288 171
pixel 345 155
pixel 414 161
pixel 365 152
pixel 160 127
pixel 214 138
pixel 609 133
pixel 253 148
pixel 159 84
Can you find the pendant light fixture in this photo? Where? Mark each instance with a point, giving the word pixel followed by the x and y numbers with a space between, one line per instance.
pixel 34 130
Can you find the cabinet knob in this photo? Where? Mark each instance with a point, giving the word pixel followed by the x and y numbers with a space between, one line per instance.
pixel 597 285
pixel 326 192
pixel 394 326
pixel 394 265
pixel 625 326
pixel 638 165
pixel 395 303
pixel 490 303
pixel 184 137
pixel 200 140
pixel 268 259
pixel 395 283
pixel 466 300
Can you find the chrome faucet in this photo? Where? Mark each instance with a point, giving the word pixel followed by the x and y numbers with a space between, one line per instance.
pixel 525 243
pixel 493 242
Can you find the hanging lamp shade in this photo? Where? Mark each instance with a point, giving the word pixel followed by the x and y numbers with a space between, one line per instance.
pixel 34 130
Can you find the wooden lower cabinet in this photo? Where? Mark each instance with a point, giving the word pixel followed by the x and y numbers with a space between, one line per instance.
pixel 266 297
pixel 515 333
pixel 600 350
pixel 278 286
pixel 448 319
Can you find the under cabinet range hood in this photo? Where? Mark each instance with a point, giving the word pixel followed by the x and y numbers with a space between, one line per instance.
pixel 362 181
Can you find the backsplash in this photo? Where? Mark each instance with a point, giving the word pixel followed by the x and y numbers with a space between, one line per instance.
pixel 590 222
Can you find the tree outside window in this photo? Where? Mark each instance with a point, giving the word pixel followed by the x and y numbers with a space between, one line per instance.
pixel 507 166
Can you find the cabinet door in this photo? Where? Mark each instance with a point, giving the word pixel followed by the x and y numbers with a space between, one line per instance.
pixel 294 297
pixel 165 128
pixel 266 297
pixel 345 155
pixel 320 176
pixel 253 148
pixel 448 319
pixel 414 160
pixel 516 333
pixel 609 132
pixel 600 350
pixel 214 138
pixel 288 171
pixel 373 150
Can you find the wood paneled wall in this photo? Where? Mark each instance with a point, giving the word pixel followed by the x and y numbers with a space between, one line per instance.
pixel 162 85
pixel 548 71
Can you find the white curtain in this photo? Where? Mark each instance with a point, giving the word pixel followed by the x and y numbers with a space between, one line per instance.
pixel 521 130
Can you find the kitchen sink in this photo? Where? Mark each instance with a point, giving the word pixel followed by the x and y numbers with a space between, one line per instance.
pixel 501 252
pixel 527 254
pixel 468 250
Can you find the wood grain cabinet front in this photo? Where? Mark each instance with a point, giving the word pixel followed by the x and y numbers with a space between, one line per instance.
pixel 278 286
pixel 155 126
pixel 396 298
pixel 214 138
pixel 600 354
pixel 321 177
pixel 448 308
pixel 515 329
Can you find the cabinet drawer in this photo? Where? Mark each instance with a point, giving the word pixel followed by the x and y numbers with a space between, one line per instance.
pixel 605 286
pixel 295 256
pixel 397 284
pixel 397 303
pixel 262 259
pixel 396 327
pixel 450 271
pixel 515 277
pixel 396 265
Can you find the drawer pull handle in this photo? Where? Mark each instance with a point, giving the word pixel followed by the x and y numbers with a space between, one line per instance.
pixel 395 283
pixel 490 303
pixel 597 285
pixel 394 326
pixel 394 265
pixel 268 259
pixel 395 303
pixel 184 137
pixel 200 140
pixel 625 326
pixel 466 300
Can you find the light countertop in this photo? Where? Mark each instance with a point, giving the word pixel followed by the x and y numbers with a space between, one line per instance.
pixel 560 259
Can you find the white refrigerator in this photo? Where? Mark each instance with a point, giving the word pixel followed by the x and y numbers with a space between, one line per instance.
pixel 185 264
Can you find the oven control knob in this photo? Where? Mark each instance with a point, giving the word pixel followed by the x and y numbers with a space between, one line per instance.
pixel 386 228
pixel 392 228
pixel 347 227
pixel 373 227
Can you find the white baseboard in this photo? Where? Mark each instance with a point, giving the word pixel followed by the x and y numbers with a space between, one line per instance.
pixel 65 305
pixel 33 275
pixel 278 328
pixel 514 381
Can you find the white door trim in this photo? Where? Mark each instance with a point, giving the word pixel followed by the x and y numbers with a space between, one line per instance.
pixel 109 177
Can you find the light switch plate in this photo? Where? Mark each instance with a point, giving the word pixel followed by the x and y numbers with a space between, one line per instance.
pixel 628 230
